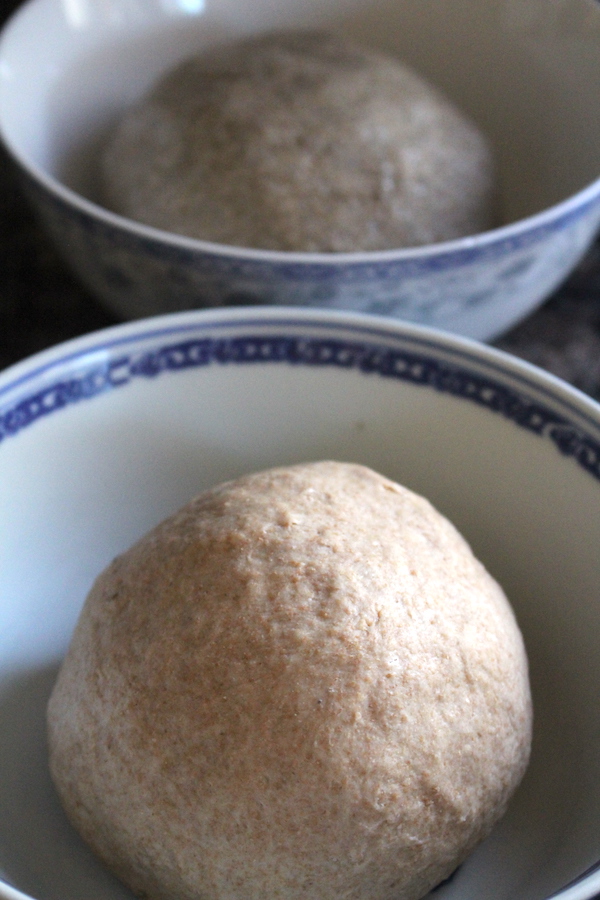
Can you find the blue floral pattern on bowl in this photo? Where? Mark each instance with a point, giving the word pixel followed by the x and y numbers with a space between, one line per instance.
pixel 477 289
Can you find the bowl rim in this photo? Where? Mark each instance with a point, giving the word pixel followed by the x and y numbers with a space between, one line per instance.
pixel 519 376
pixel 99 344
pixel 551 218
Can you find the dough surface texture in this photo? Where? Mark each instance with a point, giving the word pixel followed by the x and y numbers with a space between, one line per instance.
pixel 301 686
pixel 304 142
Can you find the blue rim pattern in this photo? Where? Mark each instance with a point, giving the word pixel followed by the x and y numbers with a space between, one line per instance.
pixel 376 265
pixel 366 356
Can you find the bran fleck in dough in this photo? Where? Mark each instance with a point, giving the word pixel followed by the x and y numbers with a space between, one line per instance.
pixel 301 141
pixel 302 684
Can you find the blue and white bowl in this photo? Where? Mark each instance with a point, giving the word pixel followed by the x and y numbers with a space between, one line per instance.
pixel 527 70
pixel 102 437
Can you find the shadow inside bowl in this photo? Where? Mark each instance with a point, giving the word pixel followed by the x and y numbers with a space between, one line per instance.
pixel 40 852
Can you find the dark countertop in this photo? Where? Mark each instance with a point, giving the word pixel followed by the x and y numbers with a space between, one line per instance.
pixel 42 304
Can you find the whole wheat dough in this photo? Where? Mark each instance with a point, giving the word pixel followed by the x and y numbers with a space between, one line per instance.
pixel 300 141
pixel 301 685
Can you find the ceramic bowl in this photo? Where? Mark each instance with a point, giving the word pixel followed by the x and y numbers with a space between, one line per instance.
pixel 528 71
pixel 102 437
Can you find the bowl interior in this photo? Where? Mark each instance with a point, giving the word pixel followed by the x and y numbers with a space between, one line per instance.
pixel 104 437
pixel 528 71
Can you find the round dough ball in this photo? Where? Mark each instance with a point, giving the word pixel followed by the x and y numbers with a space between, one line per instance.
pixel 302 684
pixel 301 142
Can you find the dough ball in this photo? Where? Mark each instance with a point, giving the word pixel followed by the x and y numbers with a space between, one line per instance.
pixel 301 685
pixel 300 141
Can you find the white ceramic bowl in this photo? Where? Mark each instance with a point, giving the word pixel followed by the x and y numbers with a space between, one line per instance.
pixel 103 436
pixel 527 70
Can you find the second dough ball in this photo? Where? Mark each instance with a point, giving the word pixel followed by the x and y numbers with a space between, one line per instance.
pixel 300 142
pixel 301 686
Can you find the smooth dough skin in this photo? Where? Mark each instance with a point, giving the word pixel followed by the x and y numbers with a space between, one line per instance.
pixel 300 141
pixel 301 686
